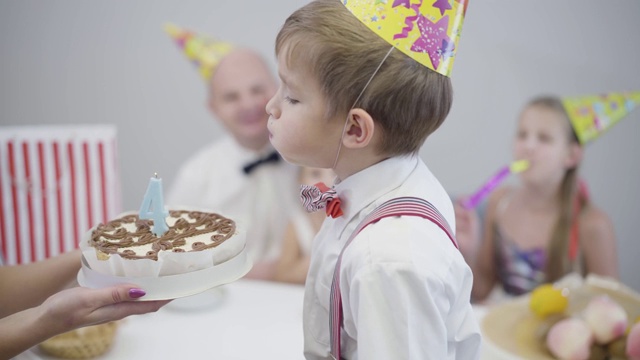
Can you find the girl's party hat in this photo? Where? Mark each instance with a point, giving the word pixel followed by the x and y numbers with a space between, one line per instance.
pixel 426 31
pixel 592 115
pixel 205 52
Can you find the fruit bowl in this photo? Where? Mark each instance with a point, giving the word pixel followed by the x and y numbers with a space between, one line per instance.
pixel 513 328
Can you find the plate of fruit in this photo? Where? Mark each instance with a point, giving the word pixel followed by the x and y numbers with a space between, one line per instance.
pixel 596 318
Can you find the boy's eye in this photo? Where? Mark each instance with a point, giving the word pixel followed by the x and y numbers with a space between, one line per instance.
pixel 290 100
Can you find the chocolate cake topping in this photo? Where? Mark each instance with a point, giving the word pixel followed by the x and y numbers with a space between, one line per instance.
pixel 131 237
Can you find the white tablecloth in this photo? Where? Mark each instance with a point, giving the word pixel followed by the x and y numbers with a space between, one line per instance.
pixel 244 320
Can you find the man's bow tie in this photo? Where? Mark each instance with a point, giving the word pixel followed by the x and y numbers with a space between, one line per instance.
pixel 273 157
pixel 320 196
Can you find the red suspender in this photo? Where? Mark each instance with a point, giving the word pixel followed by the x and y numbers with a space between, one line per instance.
pixel 402 206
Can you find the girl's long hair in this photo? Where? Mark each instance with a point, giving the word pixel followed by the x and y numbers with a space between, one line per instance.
pixel 571 201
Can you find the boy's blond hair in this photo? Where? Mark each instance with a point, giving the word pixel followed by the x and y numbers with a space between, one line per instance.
pixel 407 100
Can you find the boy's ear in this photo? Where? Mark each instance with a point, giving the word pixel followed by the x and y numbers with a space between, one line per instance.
pixel 360 129
pixel 576 153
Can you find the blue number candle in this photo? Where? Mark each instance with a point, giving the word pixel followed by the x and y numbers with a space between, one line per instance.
pixel 152 206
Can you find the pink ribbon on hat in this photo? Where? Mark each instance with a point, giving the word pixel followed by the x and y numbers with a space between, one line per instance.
pixel 320 196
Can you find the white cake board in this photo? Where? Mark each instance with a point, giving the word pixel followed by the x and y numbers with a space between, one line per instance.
pixel 172 286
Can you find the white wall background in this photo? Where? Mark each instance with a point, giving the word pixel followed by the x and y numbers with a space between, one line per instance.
pixel 72 62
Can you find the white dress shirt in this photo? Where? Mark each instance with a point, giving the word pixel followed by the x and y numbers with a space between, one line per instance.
pixel 259 202
pixel 405 287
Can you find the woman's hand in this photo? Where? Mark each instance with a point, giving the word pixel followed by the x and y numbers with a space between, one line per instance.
pixel 68 310
pixel 78 307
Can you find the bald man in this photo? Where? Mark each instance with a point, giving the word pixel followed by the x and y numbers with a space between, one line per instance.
pixel 240 175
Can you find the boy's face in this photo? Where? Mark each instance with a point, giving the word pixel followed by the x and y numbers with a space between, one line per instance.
pixel 298 126
pixel 239 90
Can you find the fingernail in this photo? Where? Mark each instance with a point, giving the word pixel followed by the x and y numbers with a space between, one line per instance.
pixel 136 293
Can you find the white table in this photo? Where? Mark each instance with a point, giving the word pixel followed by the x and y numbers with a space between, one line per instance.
pixel 244 320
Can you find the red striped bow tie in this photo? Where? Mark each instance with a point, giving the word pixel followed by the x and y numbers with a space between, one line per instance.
pixel 320 196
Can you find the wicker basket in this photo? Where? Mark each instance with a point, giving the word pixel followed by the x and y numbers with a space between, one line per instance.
pixel 83 343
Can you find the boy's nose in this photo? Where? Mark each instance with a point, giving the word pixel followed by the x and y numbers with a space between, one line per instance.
pixel 271 109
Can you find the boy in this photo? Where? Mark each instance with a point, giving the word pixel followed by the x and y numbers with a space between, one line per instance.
pixel 402 288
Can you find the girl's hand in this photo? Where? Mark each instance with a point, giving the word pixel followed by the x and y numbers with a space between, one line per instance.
pixel 468 230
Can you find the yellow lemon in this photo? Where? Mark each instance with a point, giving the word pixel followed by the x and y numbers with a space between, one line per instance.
pixel 546 300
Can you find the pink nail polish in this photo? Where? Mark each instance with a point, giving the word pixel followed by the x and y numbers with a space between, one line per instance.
pixel 136 293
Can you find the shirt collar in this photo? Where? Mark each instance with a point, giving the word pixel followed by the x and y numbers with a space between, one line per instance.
pixel 369 186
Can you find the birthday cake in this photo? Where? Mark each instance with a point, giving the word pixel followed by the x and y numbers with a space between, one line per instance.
pixel 131 237
pixel 193 240
pixel 170 253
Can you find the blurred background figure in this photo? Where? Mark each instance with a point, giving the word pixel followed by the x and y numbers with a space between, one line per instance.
pixel 547 226
pixel 238 175
pixel 293 263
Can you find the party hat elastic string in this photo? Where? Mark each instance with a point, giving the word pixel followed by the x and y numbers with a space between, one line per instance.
pixel 344 129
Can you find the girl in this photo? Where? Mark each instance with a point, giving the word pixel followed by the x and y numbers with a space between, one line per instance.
pixel 545 228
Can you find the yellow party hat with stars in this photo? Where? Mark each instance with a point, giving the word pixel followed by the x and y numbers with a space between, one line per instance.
pixel 205 52
pixel 425 30
pixel 592 115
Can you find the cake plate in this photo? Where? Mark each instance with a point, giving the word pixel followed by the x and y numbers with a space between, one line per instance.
pixel 172 286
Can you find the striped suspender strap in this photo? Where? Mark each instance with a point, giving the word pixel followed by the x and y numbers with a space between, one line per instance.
pixel 402 206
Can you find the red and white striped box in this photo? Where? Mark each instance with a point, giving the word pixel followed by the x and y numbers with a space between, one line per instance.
pixel 56 182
